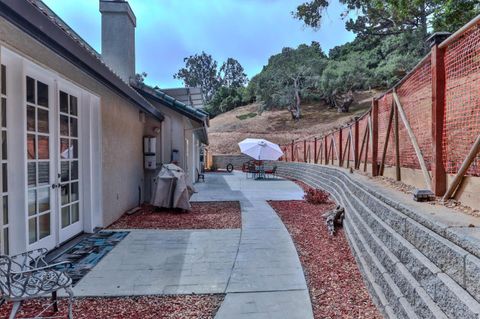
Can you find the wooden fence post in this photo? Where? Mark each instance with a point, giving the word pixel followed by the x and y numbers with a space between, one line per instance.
pixel 293 151
pixel 356 143
pixel 340 147
pixel 305 151
pixel 315 156
pixel 387 139
pixel 374 137
pixel 325 145
pixel 439 177
pixel 398 170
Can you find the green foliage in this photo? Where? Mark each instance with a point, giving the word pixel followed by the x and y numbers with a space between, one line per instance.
pixel 226 99
pixel 372 62
pixel 140 77
pixel 453 14
pixel 246 116
pixel 232 74
pixel 200 71
pixel 389 17
pixel 291 72
pixel 362 64
pixel 222 90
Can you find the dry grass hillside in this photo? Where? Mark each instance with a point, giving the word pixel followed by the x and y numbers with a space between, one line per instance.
pixel 227 129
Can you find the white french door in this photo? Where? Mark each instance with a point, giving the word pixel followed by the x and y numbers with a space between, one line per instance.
pixel 53 163
pixel 68 163
pixel 40 130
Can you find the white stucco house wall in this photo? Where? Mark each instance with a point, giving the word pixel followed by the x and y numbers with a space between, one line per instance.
pixel 73 125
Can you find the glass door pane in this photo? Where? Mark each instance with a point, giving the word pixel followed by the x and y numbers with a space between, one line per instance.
pixel 69 160
pixel 39 162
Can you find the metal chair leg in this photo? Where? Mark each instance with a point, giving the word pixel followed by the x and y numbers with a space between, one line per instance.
pixel 15 308
pixel 54 301
pixel 70 302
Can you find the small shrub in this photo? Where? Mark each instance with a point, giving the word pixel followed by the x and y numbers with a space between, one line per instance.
pixel 246 116
pixel 316 196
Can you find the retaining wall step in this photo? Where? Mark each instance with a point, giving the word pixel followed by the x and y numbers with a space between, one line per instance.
pixel 419 272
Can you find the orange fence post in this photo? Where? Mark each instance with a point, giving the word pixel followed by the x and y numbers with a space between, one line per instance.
pixel 326 149
pixel 356 143
pixel 374 137
pixel 340 147
pixel 305 151
pixel 439 177
pixel 293 151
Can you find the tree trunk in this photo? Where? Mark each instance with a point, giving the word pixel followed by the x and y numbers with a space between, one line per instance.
pixel 343 102
pixel 296 110
pixel 423 21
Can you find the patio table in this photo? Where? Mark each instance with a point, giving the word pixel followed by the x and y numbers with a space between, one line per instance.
pixel 260 172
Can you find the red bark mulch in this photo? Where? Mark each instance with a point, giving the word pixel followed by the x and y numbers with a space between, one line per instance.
pixel 220 171
pixel 336 287
pixel 187 306
pixel 204 215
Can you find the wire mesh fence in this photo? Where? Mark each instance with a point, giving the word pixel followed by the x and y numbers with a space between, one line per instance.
pixel 408 124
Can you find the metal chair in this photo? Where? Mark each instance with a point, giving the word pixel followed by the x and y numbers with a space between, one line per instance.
pixel 251 170
pixel 272 172
pixel 200 176
pixel 28 276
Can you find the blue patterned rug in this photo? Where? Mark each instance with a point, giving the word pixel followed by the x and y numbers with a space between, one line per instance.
pixel 88 252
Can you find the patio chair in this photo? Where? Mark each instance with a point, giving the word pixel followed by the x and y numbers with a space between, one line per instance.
pixel 272 172
pixel 252 170
pixel 200 176
pixel 28 276
pixel 245 167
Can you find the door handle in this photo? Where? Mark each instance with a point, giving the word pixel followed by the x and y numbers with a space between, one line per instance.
pixel 56 185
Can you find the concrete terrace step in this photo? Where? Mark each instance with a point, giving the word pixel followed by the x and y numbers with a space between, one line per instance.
pixel 418 270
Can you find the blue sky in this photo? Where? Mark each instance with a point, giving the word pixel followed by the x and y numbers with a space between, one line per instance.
pixel 169 30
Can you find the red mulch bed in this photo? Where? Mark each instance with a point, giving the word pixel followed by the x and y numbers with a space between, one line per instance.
pixel 188 307
pixel 204 215
pixel 222 171
pixel 336 287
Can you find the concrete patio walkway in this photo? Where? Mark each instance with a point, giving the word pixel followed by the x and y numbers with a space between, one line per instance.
pixel 267 280
pixel 257 267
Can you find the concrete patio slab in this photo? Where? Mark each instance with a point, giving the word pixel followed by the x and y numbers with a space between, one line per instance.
pixel 293 304
pixel 152 262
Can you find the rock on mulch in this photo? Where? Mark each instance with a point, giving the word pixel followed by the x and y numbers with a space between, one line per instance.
pixel 336 287
pixel 204 215
pixel 185 307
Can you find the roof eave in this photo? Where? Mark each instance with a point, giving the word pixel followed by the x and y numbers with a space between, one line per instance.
pixel 173 104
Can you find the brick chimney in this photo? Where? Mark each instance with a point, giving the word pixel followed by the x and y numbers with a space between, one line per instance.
pixel 118 37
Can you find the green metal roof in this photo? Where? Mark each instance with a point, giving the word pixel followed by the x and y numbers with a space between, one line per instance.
pixel 190 112
pixel 184 109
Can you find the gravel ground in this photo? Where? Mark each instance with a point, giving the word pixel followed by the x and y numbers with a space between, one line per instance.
pixel 408 189
pixel 204 215
pixel 336 287
pixel 185 307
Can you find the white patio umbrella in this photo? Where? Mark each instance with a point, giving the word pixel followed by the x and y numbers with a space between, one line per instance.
pixel 260 149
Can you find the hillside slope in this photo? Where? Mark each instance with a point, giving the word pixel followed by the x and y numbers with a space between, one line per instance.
pixel 228 129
